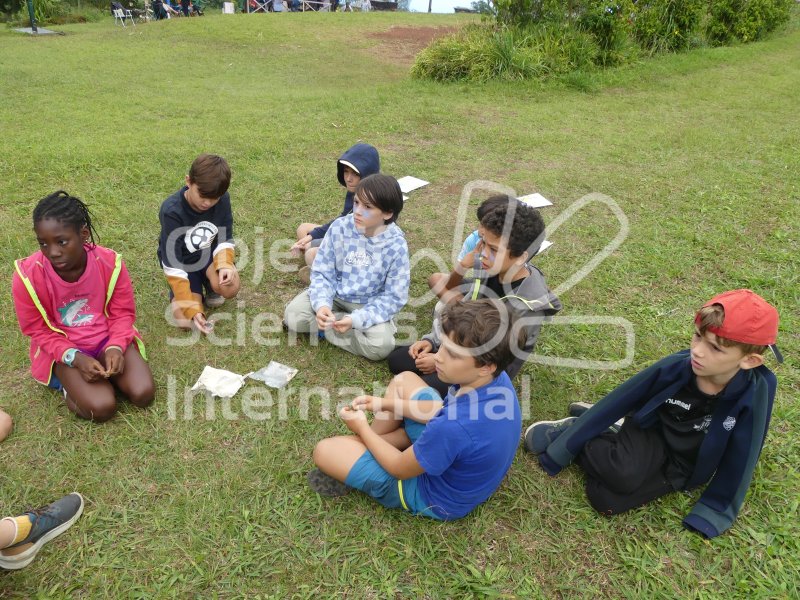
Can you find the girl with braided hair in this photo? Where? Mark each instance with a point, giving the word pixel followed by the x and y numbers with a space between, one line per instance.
pixel 74 300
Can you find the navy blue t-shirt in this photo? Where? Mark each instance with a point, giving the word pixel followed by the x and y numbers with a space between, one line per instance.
pixel 468 447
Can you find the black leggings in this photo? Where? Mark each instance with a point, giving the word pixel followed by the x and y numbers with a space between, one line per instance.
pixel 400 361
pixel 626 469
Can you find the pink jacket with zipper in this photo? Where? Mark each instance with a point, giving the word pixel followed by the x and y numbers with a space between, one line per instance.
pixel 35 309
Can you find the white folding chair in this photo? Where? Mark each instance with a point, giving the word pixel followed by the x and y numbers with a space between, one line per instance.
pixel 120 15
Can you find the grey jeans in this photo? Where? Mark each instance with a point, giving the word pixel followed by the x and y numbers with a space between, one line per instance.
pixel 374 343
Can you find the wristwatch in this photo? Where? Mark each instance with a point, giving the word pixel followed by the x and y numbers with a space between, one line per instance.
pixel 69 356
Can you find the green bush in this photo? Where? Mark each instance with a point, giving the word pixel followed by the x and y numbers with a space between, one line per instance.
pixel 57 12
pixel 519 13
pixel 481 53
pixel 45 10
pixel 611 25
pixel 745 20
pixel 667 25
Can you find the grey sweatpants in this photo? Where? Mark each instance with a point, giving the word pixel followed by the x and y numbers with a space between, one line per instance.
pixel 374 343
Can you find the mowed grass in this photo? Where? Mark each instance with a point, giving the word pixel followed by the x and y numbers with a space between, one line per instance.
pixel 700 151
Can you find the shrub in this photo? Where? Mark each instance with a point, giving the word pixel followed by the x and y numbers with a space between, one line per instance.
pixel 610 23
pixel 481 53
pixel 526 12
pixel 745 20
pixel 667 25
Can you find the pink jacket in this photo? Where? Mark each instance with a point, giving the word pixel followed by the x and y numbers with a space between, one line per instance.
pixel 35 309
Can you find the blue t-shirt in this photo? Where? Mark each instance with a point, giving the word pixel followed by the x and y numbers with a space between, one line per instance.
pixel 468 447
pixel 469 244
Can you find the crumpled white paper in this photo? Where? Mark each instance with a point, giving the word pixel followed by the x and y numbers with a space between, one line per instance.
pixel 219 382
pixel 275 374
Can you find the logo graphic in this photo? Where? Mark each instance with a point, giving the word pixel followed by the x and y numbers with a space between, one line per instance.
pixel 70 314
pixel 729 423
pixel 683 405
pixel 200 236
pixel 704 425
pixel 358 258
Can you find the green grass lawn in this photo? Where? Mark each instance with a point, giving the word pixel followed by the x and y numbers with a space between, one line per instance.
pixel 699 150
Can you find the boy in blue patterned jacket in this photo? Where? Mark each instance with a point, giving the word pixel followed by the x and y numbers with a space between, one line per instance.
pixel 361 275
pixel 697 417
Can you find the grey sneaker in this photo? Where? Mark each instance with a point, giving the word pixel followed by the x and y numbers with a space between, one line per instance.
pixel 325 485
pixel 46 523
pixel 213 300
pixel 576 409
pixel 540 435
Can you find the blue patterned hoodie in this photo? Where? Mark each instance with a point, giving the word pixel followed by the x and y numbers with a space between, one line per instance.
pixel 373 271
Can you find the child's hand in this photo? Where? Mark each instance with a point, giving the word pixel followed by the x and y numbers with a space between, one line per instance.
pixel 370 403
pixel 115 362
pixel 426 363
pixel 301 245
pixel 325 318
pixel 354 419
pixel 343 325
pixel 420 347
pixel 226 276
pixel 469 259
pixel 202 325
pixel 90 369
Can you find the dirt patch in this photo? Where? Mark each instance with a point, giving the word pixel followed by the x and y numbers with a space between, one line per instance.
pixel 400 45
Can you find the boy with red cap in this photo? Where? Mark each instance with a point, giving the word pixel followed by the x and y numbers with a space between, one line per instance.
pixel 696 417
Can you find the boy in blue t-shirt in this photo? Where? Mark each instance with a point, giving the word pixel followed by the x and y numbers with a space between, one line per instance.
pixel 433 457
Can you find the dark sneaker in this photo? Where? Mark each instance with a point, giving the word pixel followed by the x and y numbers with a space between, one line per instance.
pixel 46 523
pixel 304 273
pixel 213 300
pixel 576 409
pixel 540 435
pixel 325 485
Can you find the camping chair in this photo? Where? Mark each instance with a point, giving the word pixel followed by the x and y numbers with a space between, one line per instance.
pixel 254 6
pixel 120 14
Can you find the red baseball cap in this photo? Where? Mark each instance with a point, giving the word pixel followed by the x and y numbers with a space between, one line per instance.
pixel 749 319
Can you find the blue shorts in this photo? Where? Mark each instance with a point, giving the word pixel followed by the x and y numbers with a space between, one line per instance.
pixel 368 476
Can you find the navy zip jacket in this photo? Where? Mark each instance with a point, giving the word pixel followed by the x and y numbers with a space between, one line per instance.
pixel 366 161
pixel 728 454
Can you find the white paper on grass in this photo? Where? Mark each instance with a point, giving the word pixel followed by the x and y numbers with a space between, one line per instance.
pixel 275 374
pixel 219 382
pixel 535 200
pixel 545 245
pixel 409 183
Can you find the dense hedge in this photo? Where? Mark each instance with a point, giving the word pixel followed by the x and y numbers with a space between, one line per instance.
pixel 536 38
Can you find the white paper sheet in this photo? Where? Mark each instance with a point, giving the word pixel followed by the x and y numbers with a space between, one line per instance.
pixel 274 375
pixel 545 245
pixel 409 183
pixel 219 382
pixel 535 200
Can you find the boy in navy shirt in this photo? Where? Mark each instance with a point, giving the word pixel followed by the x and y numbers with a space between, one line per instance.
pixel 433 457
pixel 195 247
pixel 698 416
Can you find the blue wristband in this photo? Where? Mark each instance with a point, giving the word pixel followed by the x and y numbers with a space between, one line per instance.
pixel 69 356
